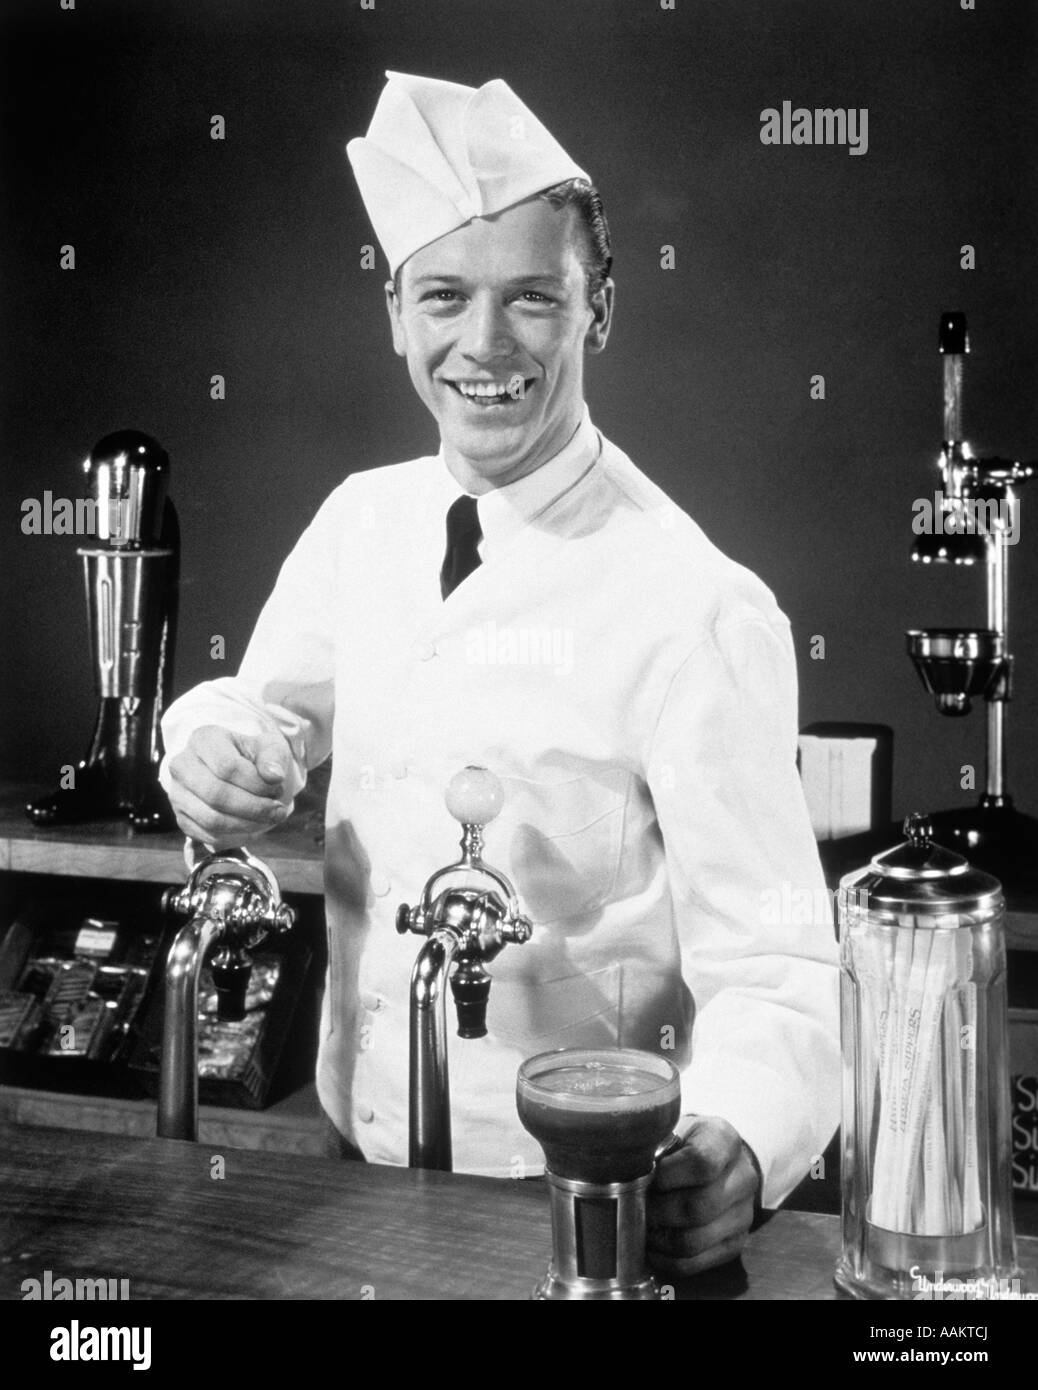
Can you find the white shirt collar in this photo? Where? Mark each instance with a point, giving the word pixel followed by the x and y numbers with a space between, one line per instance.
pixel 504 511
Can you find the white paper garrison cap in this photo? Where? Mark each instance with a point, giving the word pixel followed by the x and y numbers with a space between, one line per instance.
pixel 438 154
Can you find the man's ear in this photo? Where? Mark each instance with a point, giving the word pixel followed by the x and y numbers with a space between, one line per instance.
pixel 602 318
pixel 393 309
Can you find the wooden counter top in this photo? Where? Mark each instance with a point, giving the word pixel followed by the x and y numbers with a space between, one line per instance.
pixel 278 1226
pixel 113 849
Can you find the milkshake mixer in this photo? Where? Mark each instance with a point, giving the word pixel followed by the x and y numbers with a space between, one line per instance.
pixel 976 522
pixel 131 589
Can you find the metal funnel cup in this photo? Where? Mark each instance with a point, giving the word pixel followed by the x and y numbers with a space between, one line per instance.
pixel 956 665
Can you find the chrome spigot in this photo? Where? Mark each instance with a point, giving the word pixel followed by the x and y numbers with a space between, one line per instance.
pixel 467 924
pixel 232 902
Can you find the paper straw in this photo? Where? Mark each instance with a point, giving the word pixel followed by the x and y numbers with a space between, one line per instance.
pixel 915 995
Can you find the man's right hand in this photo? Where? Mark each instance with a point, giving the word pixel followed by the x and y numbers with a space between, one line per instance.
pixel 226 788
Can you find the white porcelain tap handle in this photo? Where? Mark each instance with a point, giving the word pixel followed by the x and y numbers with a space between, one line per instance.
pixel 474 796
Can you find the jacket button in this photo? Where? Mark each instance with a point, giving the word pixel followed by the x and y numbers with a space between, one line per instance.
pixel 379 883
pixel 424 651
pixel 365 1114
pixel 370 1001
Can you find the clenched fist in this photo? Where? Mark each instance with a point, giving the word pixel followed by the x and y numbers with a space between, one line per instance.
pixel 226 788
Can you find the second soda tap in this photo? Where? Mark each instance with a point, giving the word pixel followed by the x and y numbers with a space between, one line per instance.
pixel 467 922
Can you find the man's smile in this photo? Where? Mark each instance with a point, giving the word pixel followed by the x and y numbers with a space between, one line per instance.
pixel 483 394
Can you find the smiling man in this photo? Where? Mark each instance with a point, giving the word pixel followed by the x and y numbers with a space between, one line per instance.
pixel 652 803
pixel 494 321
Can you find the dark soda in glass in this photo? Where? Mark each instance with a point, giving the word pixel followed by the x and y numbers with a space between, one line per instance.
pixel 600 1113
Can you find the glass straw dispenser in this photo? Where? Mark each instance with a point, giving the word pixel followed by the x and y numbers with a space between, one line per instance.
pixel 926 1149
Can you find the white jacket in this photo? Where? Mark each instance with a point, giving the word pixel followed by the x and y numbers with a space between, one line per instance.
pixel 635 691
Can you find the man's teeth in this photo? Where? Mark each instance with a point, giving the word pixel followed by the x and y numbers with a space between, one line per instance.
pixel 487 388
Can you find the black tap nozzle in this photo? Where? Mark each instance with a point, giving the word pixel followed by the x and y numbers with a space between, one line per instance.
pixel 470 985
pixel 231 978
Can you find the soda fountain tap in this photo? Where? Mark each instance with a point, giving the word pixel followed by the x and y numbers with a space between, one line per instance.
pixel 467 923
pixel 231 902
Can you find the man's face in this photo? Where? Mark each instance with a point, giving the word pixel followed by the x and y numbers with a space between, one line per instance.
pixel 501 302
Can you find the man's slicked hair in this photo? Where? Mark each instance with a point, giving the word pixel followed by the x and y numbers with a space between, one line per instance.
pixel 584 197
pixel 579 194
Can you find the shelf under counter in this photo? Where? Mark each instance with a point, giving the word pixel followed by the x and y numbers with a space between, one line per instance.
pixel 110 851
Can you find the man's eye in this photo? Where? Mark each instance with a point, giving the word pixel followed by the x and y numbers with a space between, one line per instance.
pixel 441 296
pixel 536 296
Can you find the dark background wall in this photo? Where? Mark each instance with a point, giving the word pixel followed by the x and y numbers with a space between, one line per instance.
pixel 242 257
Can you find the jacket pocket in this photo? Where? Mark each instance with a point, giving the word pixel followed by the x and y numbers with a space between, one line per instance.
pixel 563 838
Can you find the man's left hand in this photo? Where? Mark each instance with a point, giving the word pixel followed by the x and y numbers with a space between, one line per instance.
pixel 701 1202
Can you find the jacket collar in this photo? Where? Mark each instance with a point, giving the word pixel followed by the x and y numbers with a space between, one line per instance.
pixel 504 511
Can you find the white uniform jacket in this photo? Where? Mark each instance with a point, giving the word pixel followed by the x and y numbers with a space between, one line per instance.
pixel 635 691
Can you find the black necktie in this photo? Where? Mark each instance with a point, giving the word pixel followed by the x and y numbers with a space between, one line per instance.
pixel 463 537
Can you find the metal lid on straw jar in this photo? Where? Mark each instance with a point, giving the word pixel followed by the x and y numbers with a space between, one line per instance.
pixel 919 876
